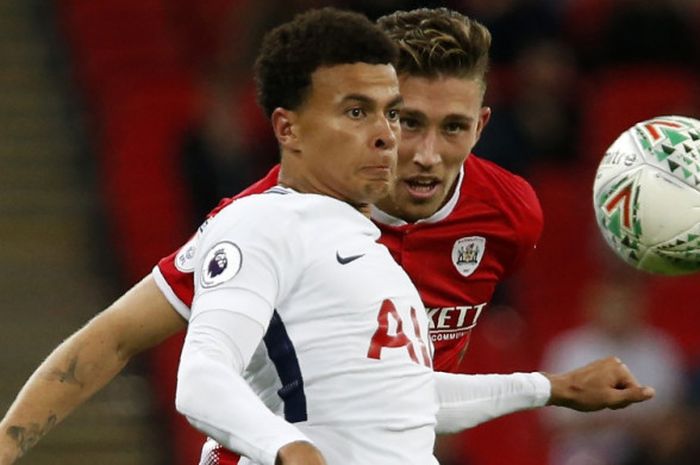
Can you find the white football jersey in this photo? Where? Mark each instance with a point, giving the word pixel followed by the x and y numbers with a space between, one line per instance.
pixel 346 355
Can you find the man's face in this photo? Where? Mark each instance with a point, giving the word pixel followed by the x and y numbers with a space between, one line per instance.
pixel 346 133
pixel 441 121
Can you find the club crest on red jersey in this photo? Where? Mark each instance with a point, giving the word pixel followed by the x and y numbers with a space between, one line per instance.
pixel 467 254
pixel 223 261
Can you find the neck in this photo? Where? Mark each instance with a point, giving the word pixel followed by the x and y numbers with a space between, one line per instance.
pixel 289 177
pixel 364 209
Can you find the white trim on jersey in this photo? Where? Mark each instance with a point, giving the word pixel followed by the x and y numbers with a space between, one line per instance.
pixel 170 295
pixel 385 218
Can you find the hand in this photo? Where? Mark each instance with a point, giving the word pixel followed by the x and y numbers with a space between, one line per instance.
pixel 299 453
pixel 604 383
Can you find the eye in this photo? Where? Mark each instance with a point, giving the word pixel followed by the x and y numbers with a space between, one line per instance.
pixel 454 128
pixel 392 115
pixel 409 124
pixel 355 113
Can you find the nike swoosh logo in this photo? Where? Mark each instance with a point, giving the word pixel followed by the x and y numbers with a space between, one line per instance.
pixel 346 260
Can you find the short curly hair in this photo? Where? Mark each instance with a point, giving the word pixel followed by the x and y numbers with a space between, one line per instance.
pixel 439 42
pixel 291 53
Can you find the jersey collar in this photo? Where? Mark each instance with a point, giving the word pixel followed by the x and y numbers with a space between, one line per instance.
pixel 280 189
pixel 389 220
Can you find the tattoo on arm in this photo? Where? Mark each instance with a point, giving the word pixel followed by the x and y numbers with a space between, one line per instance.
pixel 67 376
pixel 27 436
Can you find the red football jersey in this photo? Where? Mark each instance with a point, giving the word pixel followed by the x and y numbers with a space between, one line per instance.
pixel 455 258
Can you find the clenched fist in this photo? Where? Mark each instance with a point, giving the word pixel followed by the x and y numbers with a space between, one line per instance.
pixel 604 383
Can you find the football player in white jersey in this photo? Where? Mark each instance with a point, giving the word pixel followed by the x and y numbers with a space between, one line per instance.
pixel 45 400
pixel 294 292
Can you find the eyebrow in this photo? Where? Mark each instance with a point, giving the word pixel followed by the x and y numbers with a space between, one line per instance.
pixel 369 101
pixel 458 116
pixel 413 113
pixel 417 114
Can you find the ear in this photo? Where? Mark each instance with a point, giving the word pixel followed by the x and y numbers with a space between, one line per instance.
pixel 283 126
pixel 484 117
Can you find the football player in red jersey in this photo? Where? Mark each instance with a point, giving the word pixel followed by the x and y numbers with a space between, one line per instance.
pixel 456 223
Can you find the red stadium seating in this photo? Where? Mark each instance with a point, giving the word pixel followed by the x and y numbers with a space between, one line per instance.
pixel 142 99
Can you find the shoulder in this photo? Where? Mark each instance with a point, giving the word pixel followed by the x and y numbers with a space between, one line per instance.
pixel 280 212
pixel 272 207
pixel 509 193
pixel 497 181
pixel 260 228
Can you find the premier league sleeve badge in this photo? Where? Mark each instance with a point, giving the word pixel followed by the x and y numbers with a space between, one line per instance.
pixel 222 263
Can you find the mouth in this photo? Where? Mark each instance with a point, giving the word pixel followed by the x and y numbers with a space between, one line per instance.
pixel 422 188
pixel 382 171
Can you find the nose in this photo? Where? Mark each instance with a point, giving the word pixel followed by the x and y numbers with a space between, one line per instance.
pixel 387 136
pixel 426 154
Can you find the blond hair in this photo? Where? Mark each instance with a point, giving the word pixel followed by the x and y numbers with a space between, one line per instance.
pixel 439 42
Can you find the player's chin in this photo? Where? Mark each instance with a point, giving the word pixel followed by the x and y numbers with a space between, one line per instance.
pixel 376 189
pixel 417 209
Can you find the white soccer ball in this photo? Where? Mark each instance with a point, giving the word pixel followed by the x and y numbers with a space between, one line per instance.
pixel 646 195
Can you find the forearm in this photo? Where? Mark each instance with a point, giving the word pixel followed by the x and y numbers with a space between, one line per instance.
pixel 85 363
pixel 75 370
pixel 238 420
pixel 468 400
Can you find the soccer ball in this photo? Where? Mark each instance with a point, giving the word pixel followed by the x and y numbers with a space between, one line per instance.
pixel 646 195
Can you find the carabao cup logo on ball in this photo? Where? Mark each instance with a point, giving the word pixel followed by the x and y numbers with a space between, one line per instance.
pixel 646 195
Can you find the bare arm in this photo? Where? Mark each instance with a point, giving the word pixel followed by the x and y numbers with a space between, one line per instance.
pixel 84 363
